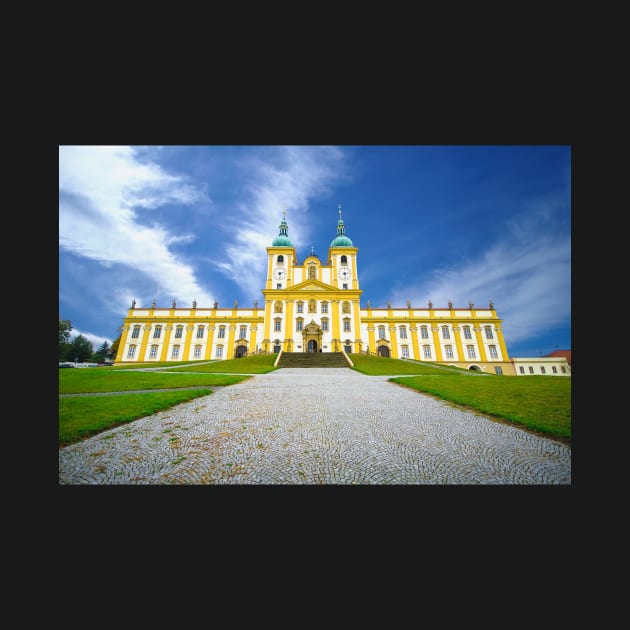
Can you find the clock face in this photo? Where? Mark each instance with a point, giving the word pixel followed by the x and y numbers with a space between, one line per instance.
pixel 279 274
pixel 344 273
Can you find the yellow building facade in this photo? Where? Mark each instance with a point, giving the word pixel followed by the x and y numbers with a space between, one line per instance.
pixel 315 306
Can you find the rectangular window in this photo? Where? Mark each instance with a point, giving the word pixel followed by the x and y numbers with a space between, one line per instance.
pixel 531 369
pixel 346 325
pixel 157 332
pixel 381 332
pixel 497 369
pixel 345 286
pixel 542 369
pixel 424 332
pixel 222 332
pixel 298 324
pixel 405 352
pixel 426 351
pixel 471 352
pixel 277 324
pixel 242 334
pixel 489 333
pixel 522 369
pixel 467 334
pixel 136 332
pixel 403 332
pixel 199 332
pixel 132 352
pixel 445 333
pixel 493 352
pixel 219 352
pixel 175 352
pixel 197 352
pixel 449 351
pixel 279 285
pixel 554 369
pixel 563 369
pixel 300 307
pixel 178 332
pixel 325 325
pixel 324 307
pixel 153 352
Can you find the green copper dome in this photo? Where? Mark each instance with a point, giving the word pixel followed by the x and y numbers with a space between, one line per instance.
pixel 341 240
pixel 282 240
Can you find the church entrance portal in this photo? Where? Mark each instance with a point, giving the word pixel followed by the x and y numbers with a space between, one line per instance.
pixel 241 351
pixel 383 351
pixel 312 337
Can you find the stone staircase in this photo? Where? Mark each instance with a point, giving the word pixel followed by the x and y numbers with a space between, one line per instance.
pixel 312 360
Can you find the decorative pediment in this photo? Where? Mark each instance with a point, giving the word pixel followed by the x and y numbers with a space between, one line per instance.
pixel 313 285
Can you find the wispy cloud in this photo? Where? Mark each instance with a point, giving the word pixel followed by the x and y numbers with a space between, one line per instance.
pixel 527 276
pixel 102 191
pixel 279 178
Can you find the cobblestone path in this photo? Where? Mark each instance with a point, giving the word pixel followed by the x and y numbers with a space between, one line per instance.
pixel 315 426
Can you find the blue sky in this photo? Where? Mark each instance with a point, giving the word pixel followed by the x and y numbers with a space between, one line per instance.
pixel 459 223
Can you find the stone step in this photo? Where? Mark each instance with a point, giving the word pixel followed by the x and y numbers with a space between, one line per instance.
pixel 312 359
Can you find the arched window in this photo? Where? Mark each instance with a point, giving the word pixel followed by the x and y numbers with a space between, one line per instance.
pixel 345 307
pixel 280 258
pixel 344 260
pixel 277 307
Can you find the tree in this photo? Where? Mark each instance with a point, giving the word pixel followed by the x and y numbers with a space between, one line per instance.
pixel 65 326
pixel 102 353
pixel 80 349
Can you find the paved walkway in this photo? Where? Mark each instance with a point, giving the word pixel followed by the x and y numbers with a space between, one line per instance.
pixel 317 426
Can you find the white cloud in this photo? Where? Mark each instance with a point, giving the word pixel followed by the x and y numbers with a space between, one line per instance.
pixel 284 178
pixel 100 191
pixel 528 279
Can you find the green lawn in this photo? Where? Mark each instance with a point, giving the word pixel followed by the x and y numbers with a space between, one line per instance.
pixel 539 403
pixel 81 417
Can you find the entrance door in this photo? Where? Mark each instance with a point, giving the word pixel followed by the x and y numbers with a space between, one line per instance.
pixel 383 351
pixel 241 351
pixel 312 345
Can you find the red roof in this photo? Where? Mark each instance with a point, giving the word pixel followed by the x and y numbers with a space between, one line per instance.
pixel 561 353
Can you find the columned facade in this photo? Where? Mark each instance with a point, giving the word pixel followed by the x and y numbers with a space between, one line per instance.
pixel 315 306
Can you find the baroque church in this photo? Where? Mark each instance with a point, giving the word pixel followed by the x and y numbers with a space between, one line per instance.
pixel 315 306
